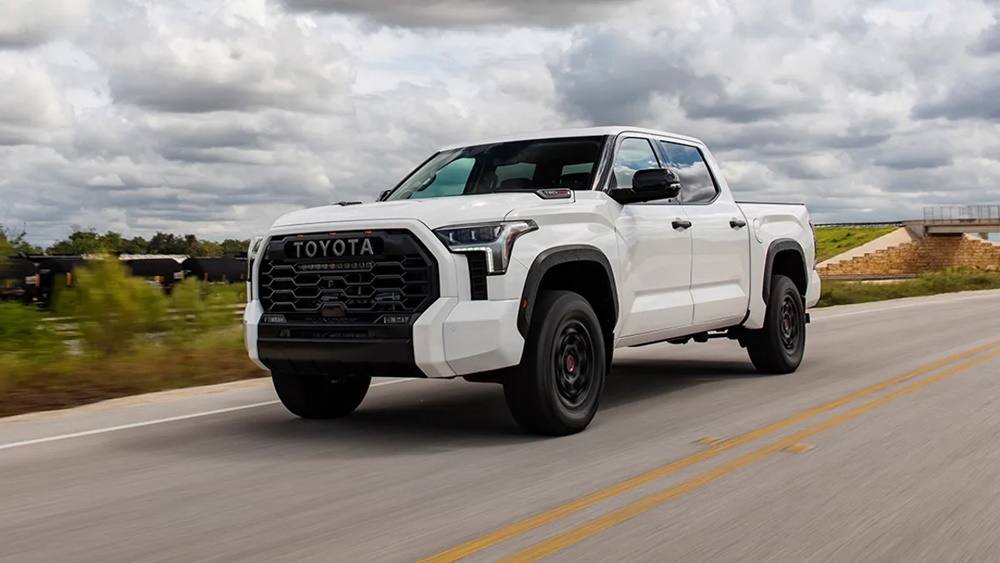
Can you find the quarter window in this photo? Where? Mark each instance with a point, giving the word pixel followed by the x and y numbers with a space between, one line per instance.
pixel 697 185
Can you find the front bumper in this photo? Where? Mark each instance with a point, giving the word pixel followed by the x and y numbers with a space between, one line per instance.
pixel 450 339
pixel 454 336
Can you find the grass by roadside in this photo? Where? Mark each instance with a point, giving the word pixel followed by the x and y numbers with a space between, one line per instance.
pixel 126 338
pixel 29 383
pixel 831 241
pixel 846 293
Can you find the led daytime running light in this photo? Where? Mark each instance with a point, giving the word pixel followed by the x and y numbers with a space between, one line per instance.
pixel 497 247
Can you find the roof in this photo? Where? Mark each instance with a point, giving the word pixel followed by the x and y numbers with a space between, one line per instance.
pixel 178 257
pixel 575 132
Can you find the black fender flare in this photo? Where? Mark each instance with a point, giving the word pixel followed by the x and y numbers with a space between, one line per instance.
pixel 776 246
pixel 548 259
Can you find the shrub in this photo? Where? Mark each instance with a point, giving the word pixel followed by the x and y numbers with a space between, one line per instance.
pixel 112 307
pixel 202 307
pixel 23 332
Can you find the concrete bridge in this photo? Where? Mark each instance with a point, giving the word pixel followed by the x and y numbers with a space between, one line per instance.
pixel 958 219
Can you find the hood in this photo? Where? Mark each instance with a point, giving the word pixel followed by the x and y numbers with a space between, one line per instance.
pixel 433 212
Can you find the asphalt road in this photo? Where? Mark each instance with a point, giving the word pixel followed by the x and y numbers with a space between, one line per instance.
pixel 693 457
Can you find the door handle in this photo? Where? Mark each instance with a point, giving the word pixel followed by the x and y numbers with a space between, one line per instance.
pixel 681 224
pixel 737 223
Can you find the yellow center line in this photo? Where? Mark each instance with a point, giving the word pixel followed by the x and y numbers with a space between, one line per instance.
pixel 646 504
pixel 547 517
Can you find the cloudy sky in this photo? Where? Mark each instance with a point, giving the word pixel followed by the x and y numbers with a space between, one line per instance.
pixel 216 116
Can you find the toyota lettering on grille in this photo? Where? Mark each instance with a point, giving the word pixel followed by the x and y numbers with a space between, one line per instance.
pixel 333 248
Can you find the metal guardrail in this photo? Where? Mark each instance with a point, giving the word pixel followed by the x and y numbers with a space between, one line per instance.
pixel 946 214
pixel 861 224
pixel 964 214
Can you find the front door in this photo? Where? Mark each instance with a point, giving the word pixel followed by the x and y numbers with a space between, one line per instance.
pixel 656 253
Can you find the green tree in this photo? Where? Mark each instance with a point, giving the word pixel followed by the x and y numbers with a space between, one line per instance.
pixel 112 242
pixel 12 241
pixel 210 248
pixel 192 246
pixel 6 248
pixel 137 245
pixel 79 242
pixel 88 241
pixel 166 243
pixel 234 246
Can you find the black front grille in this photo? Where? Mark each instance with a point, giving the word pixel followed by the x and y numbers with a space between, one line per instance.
pixel 387 288
pixel 477 276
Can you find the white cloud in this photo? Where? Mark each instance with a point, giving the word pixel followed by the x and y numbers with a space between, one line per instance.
pixel 847 106
pixel 241 60
pixel 29 23
pixel 32 108
pixel 215 116
pixel 466 13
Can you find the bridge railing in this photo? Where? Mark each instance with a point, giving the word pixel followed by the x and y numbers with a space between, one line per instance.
pixel 962 214
pixel 861 224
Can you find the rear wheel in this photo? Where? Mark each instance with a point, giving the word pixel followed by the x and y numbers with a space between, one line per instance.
pixel 320 397
pixel 779 346
pixel 557 388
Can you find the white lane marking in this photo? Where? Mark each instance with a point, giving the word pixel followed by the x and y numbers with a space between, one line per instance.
pixel 158 421
pixel 818 317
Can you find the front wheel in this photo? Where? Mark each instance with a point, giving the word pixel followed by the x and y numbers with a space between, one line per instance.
pixel 320 397
pixel 557 388
pixel 779 346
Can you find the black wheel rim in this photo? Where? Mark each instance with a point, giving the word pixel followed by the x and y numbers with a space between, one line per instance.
pixel 573 362
pixel 789 324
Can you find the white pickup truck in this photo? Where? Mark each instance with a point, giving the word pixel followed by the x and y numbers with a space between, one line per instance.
pixel 527 260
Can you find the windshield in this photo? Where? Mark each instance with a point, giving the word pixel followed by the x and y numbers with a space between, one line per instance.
pixel 514 166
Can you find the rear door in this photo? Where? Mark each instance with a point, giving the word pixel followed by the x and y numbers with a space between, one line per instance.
pixel 720 267
pixel 656 251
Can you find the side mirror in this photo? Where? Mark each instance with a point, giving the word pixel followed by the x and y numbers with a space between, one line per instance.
pixel 383 194
pixel 648 185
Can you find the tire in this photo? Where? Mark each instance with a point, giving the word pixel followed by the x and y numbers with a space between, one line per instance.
pixel 319 397
pixel 778 347
pixel 556 390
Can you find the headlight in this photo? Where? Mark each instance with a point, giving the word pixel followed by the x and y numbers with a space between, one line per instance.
pixel 495 240
pixel 252 251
